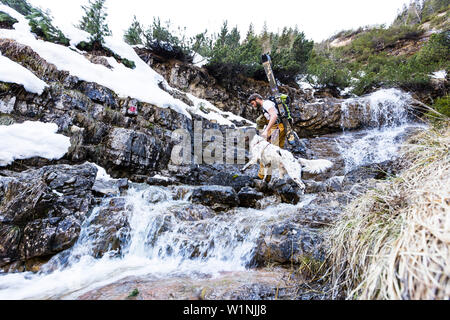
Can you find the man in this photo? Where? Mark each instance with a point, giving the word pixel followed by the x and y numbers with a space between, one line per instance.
pixel 274 132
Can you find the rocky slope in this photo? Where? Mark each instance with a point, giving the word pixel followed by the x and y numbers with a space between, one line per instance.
pixel 50 206
pixel 137 147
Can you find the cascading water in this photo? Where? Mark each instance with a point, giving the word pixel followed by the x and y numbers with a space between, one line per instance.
pixel 155 242
pixel 387 119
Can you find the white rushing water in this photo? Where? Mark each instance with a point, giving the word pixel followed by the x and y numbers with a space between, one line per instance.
pixel 157 244
pixel 383 108
pixel 387 117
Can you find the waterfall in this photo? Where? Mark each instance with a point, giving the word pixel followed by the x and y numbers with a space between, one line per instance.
pixel 387 121
pixel 383 108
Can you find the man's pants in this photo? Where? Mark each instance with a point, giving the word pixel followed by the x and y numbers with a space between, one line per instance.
pixel 277 136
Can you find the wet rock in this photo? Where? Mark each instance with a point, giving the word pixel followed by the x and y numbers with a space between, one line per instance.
pixel 45 237
pixel 249 197
pixel 262 186
pixel 10 236
pixel 298 148
pixel 287 189
pixel 182 192
pixel 288 243
pixel 217 197
pixel 155 195
pixel 267 201
pixel 109 188
pixel 374 171
pixel 335 184
pixel 41 211
pixel 192 174
pixel 192 212
pixel 216 174
pixel 109 230
pixel 321 211
pixel 314 186
pixel 325 147
pixel 258 285
pixel 236 181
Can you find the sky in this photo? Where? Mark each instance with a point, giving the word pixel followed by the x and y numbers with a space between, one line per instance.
pixel 318 19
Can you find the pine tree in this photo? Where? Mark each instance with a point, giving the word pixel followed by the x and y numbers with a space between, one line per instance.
pixel 250 52
pixel 40 21
pixel 201 44
pixel 94 21
pixel 222 36
pixel 301 51
pixel 250 32
pixel 234 38
pixel 21 6
pixel 41 24
pixel 133 35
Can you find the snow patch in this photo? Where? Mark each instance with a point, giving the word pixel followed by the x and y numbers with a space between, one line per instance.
pixel 346 91
pixel 210 112
pixel 305 85
pixel 101 173
pixel 439 75
pixel 7 107
pixel 31 139
pixel 159 177
pixel 199 60
pixel 13 72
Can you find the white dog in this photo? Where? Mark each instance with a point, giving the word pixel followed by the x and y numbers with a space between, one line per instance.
pixel 269 154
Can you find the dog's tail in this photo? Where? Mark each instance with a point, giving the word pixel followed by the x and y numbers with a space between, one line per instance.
pixel 315 166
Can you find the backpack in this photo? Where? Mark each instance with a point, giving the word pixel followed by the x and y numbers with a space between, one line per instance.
pixel 282 103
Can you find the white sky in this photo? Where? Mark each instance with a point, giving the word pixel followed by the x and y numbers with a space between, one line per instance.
pixel 318 19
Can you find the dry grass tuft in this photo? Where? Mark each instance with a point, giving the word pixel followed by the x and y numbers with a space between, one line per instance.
pixel 394 242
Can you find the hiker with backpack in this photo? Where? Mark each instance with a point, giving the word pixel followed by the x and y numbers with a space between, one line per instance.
pixel 270 122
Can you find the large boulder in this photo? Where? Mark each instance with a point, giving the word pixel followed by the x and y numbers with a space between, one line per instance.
pixel 41 211
pixel 288 243
pixel 128 150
